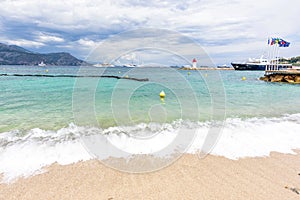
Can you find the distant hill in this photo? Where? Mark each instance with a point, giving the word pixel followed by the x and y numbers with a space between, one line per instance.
pixel 15 55
pixel 294 60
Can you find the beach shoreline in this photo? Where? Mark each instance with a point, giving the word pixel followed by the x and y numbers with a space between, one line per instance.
pixel 190 177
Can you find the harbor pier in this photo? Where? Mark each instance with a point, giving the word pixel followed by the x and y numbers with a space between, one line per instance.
pixel 275 74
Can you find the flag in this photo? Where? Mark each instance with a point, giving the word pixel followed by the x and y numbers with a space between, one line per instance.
pixel 284 43
pixel 280 42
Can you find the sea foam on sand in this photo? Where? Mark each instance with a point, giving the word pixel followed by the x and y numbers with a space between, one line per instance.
pixel 25 154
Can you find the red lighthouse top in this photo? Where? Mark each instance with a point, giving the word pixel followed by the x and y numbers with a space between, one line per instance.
pixel 194 60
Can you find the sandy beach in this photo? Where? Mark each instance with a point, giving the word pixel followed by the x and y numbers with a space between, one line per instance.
pixel 189 177
pixel 113 100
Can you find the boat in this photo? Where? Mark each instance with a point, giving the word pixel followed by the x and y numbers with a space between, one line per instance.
pixel 42 64
pixel 129 65
pixel 257 64
pixel 103 65
pixel 251 64
pixel 223 66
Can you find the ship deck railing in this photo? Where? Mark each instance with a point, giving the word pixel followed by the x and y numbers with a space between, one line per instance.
pixel 280 69
pixel 289 71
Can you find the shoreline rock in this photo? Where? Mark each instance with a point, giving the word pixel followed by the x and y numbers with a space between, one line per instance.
pixel 282 78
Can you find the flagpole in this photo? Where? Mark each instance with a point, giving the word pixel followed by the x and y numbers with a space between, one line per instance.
pixel 268 56
pixel 275 54
pixel 278 57
pixel 272 55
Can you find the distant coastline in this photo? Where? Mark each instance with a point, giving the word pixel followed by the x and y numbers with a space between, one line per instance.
pixel 15 55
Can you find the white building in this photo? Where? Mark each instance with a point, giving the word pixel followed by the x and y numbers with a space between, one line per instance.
pixel 194 63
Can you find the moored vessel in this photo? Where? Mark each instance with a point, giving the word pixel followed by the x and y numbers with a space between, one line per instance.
pixel 42 64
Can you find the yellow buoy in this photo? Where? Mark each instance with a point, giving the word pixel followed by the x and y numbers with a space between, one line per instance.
pixel 162 94
pixel 189 73
pixel 46 70
pixel 126 76
pixel 243 78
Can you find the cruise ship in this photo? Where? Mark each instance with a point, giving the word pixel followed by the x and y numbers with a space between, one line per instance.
pixel 256 64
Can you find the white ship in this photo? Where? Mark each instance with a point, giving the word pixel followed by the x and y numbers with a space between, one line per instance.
pixel 42 64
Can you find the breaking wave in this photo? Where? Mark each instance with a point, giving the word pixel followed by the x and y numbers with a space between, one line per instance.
pixel 26 153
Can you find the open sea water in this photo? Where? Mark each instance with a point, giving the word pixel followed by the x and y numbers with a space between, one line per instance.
pixel 43 118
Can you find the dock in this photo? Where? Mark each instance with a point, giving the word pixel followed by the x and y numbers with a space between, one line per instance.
pixel 275 74
pixel 207 68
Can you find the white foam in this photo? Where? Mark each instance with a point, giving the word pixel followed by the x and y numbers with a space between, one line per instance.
pixel 25 154
pixel 255 137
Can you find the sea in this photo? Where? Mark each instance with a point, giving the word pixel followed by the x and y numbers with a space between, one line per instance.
pixel 45 119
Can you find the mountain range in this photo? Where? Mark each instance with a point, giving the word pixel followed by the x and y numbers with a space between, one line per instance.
pixel 16 55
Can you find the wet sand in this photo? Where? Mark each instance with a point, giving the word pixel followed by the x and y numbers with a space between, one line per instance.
pixel 189 177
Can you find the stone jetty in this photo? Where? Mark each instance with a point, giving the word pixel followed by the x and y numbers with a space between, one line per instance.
pixel 284 76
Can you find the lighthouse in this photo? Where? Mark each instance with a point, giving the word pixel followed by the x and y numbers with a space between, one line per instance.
pixel 194 63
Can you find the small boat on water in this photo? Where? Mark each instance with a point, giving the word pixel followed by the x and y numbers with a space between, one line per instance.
pixel 42 64
pixel 257 64
pixel 129 65
pixel 223 66
pixel 103 65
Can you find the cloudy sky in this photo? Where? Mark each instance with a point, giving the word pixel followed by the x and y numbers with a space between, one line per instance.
pixel 226 29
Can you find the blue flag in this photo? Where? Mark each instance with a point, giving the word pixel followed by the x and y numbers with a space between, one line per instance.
pixel 284 43
pixel 279 41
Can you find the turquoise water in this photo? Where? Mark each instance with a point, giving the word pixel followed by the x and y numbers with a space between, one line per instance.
pixel 48 103
pixel 46 120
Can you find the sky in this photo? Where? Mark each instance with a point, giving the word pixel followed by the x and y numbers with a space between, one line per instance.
pixel 227 30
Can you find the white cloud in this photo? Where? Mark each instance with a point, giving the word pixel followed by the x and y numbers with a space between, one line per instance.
pixel 130 56
pixel 201 15
pixel 42 37
pixel 86 43
pixel 219 25
pixel 25 43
